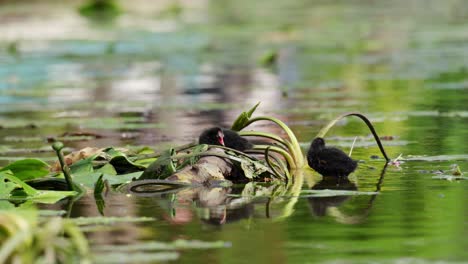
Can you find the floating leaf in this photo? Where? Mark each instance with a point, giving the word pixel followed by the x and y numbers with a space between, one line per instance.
pixel 161 168
pixel 195 155
pixel 29 192
pixel 107 169
pixel 28 169
pixel 253 169
pixel 83 166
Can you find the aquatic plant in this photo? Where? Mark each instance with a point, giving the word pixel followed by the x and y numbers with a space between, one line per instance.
pixel 326 128
pixel 27 239
pixel 100 9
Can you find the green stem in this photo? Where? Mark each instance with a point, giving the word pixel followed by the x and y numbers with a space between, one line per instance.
pixel 324 130
pixel 297 152
pixel 271 165
pixel 282 165
pixel 58 146
pixel 157 154
pixel 281 151
pixel 267 135
pixel 191 155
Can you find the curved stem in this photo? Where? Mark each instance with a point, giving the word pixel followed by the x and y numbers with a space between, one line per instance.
pixel 267 135
pixel 282 165
pixel 158 154
pixel 272 166
pixel 324 130
pixel 297 152
pixel 281 151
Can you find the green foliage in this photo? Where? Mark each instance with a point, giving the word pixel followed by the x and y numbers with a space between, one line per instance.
pixel 27 239
pixel 253 169
pixel 98 188
pixel 12 188
pixel 243 119
pixel 27 169
pixel 325 129
pixel 269 58
pixel 162 168
pixel 100 9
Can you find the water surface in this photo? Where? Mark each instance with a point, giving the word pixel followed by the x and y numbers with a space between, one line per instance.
pixel 146 79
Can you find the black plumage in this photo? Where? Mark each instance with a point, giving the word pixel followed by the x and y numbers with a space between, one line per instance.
pixel 329 161
pixel 224 137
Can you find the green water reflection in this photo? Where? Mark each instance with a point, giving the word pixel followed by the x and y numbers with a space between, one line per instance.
pixel 158 82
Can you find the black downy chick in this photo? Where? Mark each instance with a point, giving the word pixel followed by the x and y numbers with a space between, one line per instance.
pixel 329 161
pixel 224 137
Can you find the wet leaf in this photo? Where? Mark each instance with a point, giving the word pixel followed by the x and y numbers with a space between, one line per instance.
pixel 86 178
pixel 29 192
pixel 107 169
pixel 253 169
pixel 28 168
pixel 122 164
pixel 122 178
pixel 162 168
pixel 195 152
pixel 83 166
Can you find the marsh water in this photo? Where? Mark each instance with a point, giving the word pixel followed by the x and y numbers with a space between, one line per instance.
pixel 159 74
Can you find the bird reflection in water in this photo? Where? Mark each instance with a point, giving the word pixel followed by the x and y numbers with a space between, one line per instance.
pixel 321 206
